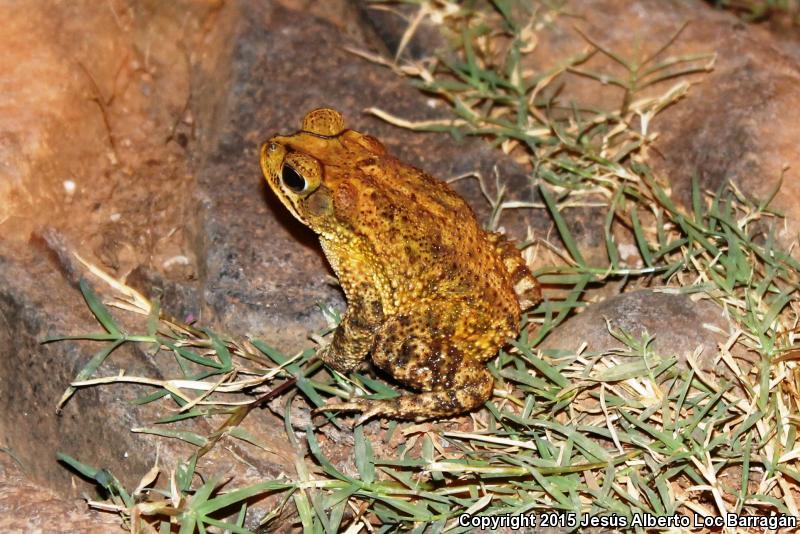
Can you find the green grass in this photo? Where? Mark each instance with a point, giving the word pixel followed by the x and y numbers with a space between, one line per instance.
pixel 626 431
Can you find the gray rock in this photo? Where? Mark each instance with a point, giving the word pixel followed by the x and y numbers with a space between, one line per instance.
pixel 677 324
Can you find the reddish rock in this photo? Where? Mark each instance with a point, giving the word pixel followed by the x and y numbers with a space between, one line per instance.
pixel 27 507
pixel 738 123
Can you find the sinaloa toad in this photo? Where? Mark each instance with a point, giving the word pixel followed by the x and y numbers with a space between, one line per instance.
pixel 430 295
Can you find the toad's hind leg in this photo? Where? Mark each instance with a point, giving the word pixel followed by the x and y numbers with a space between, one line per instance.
pixel 451 381
pixel 473 387
pixel 468 395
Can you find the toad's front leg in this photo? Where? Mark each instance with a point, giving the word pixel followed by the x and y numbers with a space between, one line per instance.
pixel 355 334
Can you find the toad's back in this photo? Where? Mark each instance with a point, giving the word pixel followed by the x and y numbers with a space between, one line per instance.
pixel 427 241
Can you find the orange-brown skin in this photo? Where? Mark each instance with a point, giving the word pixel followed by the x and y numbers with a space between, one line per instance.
pixel 431 296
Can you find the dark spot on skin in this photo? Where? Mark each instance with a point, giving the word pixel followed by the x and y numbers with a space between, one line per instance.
pixel 519 273
pixel 430 359
pixel 377 309
pixel 436 346
pixel 453 363
pixel 448 365
pixel 512 324
pixel 406 352
pixel 448 401
pixel 359 320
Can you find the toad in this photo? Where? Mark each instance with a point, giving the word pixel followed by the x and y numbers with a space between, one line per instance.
pixel 431 296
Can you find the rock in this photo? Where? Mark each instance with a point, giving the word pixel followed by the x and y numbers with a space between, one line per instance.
pixel 94 426
pixel 98 166
pixel 785 34
pixel 390 27
pixel 725 128
pixel 677 324
pixel 738 123
pixel 27 507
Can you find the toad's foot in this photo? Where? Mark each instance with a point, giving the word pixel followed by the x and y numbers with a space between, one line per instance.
pixel 369 408
pixel 419 407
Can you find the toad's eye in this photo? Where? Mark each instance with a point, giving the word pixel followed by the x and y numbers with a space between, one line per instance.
pixel 292 179
pixel 300 174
